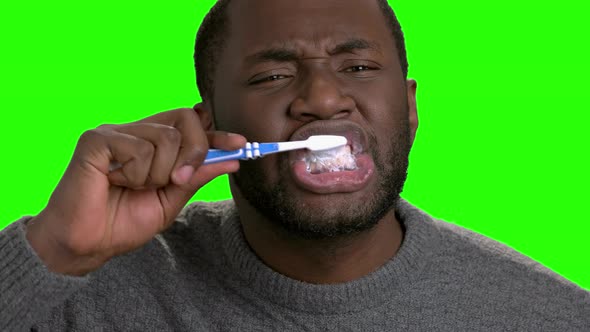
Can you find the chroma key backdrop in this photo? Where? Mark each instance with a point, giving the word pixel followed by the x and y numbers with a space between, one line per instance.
pixel 502 147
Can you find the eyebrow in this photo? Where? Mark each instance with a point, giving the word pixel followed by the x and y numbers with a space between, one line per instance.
pixel 273 54
pixel 354 44
pixel 286 54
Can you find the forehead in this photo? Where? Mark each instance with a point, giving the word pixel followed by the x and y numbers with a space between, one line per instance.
pixel 305 24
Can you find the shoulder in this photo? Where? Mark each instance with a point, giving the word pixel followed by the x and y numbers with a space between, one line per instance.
pixel 491 269
pixel 461 245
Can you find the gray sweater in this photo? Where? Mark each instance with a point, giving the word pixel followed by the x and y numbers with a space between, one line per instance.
pixel 200 275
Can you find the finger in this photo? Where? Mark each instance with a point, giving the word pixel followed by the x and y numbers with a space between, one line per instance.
pixel 134 173
pixel 194 144
pixel 176 196
pixel 225 141
pixel 218 139
pixel 194 141
pixel 99 147
pixel 166 140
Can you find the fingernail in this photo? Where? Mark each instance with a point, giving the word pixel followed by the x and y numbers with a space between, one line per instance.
pixel 184 174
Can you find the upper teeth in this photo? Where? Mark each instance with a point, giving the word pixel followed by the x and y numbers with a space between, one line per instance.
pixel 333 160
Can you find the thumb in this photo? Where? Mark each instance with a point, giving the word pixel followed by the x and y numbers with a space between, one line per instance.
pixel 175 196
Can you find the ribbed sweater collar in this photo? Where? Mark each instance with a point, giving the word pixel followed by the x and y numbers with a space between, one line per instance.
pixel 421 239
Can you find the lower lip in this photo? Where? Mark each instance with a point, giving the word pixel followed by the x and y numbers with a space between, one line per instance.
pixel 334 182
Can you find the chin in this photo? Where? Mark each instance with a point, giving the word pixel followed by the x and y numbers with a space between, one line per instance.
pixel 312 210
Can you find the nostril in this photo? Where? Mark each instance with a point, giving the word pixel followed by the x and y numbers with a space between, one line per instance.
pixel 343 114
pixel 322 107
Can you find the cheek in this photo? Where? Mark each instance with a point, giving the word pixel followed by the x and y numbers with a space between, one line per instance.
pixel 258 118
pixel 379 98
pixel 383 105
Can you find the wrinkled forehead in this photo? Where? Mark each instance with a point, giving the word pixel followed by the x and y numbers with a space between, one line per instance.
pixel 307 25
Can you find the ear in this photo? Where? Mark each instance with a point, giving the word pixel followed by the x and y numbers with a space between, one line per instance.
pixel 411 86
pixel 204 113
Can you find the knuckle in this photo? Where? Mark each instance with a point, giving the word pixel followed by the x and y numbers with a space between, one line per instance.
pixel 187 114
pixel 89 139
pixel 195 155
pixel 145 150
pixel 100 132
pixel 170 135
pixel 89 135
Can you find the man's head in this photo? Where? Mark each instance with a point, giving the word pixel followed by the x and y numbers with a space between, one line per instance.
pixel 284 70
pixel 215 29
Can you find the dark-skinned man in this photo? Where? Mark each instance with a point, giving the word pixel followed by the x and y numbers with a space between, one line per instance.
pixel 294 250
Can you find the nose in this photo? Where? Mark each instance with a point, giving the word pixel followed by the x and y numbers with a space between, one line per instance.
pixel 320 97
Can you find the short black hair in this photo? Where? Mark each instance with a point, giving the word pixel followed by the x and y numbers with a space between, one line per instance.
pixel 214 31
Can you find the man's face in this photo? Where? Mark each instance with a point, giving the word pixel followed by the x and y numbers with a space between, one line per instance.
pixel 291 69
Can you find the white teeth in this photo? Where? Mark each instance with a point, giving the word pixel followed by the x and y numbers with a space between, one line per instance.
pixel 333 160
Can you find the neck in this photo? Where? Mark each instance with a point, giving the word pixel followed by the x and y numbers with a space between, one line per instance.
pixel 324 261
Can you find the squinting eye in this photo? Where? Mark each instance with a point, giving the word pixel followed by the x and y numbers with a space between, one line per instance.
pixel 358 68
pixel 274 77
pixel 269 79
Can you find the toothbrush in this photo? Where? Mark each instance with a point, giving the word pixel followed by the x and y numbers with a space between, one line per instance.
pixel 254 150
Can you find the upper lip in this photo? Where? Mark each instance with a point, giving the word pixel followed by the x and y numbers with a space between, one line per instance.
pixel 355 135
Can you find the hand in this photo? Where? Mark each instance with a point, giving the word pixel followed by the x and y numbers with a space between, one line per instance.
pixel 95 214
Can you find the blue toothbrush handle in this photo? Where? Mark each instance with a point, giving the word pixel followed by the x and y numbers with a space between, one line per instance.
pixel 266 148
pixel 217 155
pixel 250 151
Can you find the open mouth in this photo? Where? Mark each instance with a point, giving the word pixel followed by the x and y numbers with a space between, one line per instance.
pixel 344 169
pixel 334 160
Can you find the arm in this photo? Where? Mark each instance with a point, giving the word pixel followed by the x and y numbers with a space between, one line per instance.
pixel 97 213
pixel 29 291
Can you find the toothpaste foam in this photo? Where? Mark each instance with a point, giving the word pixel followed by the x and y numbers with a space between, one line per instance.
pixel 333 160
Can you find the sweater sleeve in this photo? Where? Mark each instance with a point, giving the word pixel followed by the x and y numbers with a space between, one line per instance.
pixel 28 290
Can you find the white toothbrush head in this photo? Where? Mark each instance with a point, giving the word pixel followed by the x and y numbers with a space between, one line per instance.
pixel 325 142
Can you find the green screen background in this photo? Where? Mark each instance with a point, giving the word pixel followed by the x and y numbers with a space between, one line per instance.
pixel 502 146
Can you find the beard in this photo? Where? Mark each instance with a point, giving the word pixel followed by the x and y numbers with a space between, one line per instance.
pixel 278 207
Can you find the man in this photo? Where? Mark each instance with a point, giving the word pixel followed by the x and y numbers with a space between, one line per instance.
pixel 115 249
